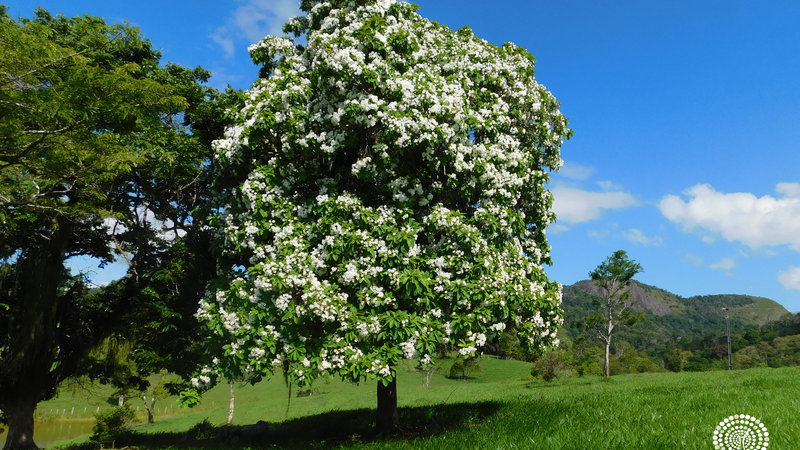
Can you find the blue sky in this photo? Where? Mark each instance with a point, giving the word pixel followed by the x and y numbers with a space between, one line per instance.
pixel 686 117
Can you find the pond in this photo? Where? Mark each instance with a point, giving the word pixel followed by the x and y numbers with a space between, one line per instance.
pixel 50 431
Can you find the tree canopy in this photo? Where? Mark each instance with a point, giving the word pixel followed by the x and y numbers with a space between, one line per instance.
pixel 390 198
pixel 103 154
pixel 618 268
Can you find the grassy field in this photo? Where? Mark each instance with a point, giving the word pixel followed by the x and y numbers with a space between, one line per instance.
pixel 501 407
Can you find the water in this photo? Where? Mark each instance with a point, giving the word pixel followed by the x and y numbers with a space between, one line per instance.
pixel 48 432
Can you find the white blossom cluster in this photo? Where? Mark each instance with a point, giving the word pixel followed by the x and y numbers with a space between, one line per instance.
pixel 395 198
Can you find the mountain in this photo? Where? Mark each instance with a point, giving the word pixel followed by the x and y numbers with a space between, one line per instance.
pixel 670 318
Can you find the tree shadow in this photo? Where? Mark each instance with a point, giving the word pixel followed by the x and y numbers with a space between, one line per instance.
pixel 327 430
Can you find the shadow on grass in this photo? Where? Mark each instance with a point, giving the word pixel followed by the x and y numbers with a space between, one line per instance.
pixel 327 430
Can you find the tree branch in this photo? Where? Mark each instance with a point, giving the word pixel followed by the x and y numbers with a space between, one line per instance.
pixel 14 78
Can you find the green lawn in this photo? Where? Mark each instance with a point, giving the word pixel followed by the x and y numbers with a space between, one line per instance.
pixel 500 408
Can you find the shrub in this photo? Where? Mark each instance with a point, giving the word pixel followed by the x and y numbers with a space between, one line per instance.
pixel 203 430
pixel 633 361
pixel 549 366
pixel 589 368
pixel 110 424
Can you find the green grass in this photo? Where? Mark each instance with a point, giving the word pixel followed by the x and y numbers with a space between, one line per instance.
pixel 499 408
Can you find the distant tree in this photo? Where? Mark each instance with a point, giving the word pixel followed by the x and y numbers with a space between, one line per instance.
pixel 103 154
pixel 677 360
pixel 391 197
pixel 427 370
pixel 630 360
pixel 462 368
pixel 613 276
pixel 154 392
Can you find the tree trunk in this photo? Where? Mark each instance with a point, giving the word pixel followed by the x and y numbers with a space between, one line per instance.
pixel 26 370
pixel 609 330
pixel 149 408
pixel 230 406
pixel 387 421
pixel 20 425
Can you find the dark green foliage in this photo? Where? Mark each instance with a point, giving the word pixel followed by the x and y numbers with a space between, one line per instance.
pixel 508 346
pixel 97 136
pixel 202 431
pixel 616 267
pixel 588 359
pixel 787 325
pixel 780 352
pixel 112 423
pixel 633 361
pixel 677 360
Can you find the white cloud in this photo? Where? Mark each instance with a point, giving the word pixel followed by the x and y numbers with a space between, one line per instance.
pixel 253 20
pixel 223 38
pixel 576 205
pixel 599 234
pixel 788 189
pixel 638 237
pixel 790 278
pixel 725 265
pixel 575 171
pixel 608 185
pixel 741 216
pixel 694 259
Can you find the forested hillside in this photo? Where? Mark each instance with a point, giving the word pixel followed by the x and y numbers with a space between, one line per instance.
pixel 682 333
pixel 671 317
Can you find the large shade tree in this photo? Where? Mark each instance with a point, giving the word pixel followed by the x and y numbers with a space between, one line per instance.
pixel 103 153
pixel 391 199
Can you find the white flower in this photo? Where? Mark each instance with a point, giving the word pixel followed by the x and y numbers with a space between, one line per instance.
pixel 408 349
pixel 350 274
pixel 500 326
pixel 464 351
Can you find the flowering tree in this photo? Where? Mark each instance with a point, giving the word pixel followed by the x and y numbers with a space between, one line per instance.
pixel 391 199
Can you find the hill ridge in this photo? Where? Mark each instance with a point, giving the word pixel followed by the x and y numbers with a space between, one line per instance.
pixel 670 317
